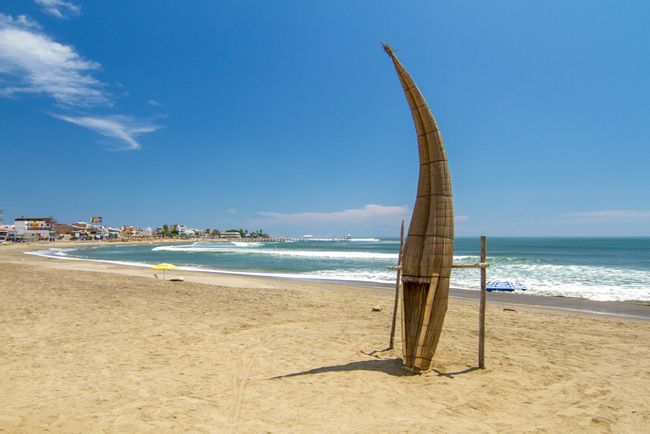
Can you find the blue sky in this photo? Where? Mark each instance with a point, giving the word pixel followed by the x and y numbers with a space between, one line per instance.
pixel 287 116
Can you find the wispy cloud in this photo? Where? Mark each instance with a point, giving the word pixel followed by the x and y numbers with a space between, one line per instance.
pixel 59 8
pixel 611 216
pixel 122 128
pixel 32 63
pixel 370 215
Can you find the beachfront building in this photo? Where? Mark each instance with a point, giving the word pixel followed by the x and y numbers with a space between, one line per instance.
pixel 81 229
pixel 234 235
pixel 82 226
pixel 35 229
pixel 65 231
pixel 185 232
pixel 84 231
pixel 129 231
pixel 7 232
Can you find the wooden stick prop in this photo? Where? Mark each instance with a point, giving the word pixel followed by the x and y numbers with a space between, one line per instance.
pixel 397 285
pixel 481 315
pixel 482 301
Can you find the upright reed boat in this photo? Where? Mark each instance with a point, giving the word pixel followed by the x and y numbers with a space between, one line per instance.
pixel 429 248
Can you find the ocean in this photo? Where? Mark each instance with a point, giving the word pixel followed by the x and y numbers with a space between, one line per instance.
pixel 604 269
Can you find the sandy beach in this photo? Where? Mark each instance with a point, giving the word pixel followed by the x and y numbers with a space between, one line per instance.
pixel 92 347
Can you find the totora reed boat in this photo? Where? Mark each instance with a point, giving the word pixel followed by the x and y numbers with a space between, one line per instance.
pixel 429 248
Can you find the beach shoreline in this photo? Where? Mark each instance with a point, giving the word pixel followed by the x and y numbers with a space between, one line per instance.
pixel 630 309
pixel 90 346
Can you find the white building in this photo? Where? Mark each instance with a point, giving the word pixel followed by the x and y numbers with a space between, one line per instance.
pixel 5 231
pixel 35 229
pixel 182 230
pixel 146 232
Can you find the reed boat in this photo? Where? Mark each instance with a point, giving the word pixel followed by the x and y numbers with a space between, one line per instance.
pixel 429 247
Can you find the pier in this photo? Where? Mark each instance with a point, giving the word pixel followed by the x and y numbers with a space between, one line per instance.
pixel 286 239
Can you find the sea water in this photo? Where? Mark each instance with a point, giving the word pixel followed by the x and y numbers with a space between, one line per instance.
pixel 606 269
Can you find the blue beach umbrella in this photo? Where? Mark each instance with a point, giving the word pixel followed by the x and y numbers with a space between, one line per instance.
pixel 504 285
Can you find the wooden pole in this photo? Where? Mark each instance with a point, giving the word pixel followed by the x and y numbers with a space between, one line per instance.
pixel 481 315
pixel 397 285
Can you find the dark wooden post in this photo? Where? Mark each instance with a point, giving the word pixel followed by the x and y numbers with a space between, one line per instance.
pixel 397 285
pixel 481 316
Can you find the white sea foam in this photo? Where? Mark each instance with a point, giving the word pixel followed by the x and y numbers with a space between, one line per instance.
pixel 253 248
pixel 63 254
pixel 50 252
pixel 580 281
pixel 322 254
pixel 247 243
pixel 465 259
pixel 353 275
pixel 383 278
pixel 194 248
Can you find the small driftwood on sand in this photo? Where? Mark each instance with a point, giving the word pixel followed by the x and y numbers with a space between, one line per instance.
pixel 429 247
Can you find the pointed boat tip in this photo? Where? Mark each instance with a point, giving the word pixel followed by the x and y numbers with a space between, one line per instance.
pixel 387 48
pixel 390 50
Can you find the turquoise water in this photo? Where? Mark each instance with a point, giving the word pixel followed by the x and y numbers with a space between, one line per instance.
pixel 604 269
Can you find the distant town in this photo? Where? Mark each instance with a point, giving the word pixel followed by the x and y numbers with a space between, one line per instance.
pixel 47 229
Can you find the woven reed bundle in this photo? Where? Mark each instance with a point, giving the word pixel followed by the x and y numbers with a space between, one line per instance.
pixel 429 247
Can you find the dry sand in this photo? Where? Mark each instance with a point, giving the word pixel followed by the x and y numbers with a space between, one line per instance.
pixel 90 347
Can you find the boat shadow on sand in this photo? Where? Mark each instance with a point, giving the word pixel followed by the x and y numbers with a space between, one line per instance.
pixel 388 366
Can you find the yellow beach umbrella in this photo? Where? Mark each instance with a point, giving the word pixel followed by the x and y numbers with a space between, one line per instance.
pixel 165 266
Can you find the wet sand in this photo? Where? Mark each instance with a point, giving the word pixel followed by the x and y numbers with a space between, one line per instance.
pixel 99 347
pixel 639 310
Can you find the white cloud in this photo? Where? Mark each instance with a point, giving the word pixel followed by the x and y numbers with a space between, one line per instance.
pixel 21 20
pixel 370 215
pixel 32 63
pixel 155 103
pixel 610 213
pixel 611 216
pixel 461 218
pixel 123 128
pixel 59 8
